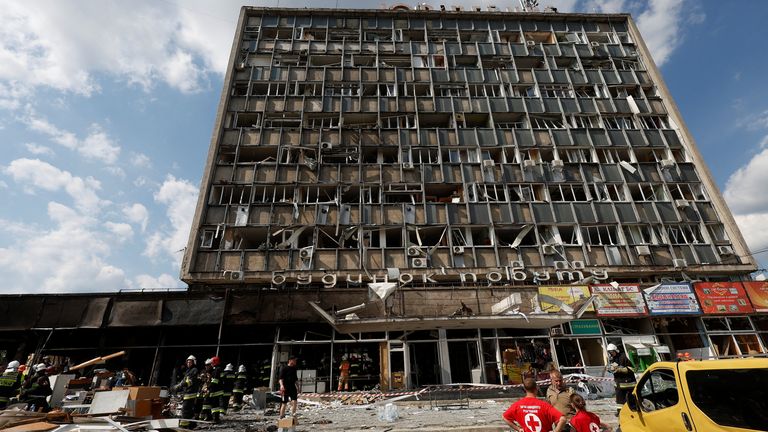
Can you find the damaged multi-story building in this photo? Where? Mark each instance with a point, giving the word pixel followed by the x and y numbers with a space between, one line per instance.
pixel 451 196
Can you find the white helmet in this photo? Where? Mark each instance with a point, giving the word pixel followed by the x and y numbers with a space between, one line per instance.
pixel 13 365
pixel 241 368
pixel 208 361
pixel 193 358
pixel 229 367
pixel 611 347
pixel 40 367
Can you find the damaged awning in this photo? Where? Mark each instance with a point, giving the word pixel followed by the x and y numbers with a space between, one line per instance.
pixel 529 321
pixel 193 312
pixel 19 313
pixel 76 312
pixel 136 313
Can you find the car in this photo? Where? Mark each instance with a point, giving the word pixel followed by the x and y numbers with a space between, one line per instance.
pixel 700 396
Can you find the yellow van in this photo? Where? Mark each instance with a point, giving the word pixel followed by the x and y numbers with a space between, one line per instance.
pixel 701 396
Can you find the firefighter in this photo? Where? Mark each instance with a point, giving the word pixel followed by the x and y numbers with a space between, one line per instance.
pixel 190 386
pixel 623 374
pixel 240 387
pixel 215 390
pixel 10 382
pixel 36 390
pixel 204 410
pixel 227 386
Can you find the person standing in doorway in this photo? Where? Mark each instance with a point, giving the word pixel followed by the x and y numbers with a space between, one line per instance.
pixel 530 414
pixel 559 395
pixel 289 387
pixel 623 373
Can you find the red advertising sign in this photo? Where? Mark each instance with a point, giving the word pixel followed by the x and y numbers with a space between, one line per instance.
pixel 758 294
pixel 618 300
pixel 722 298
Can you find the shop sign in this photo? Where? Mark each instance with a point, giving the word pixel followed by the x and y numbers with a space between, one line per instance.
pixel 585 327
pixel 722 298
pixel 671 298
pixel 552 298
pixel 618 300
pixel 758 294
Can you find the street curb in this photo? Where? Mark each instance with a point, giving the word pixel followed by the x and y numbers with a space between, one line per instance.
pixel 488 428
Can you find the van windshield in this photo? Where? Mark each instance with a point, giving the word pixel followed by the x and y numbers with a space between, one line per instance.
pixel 733 398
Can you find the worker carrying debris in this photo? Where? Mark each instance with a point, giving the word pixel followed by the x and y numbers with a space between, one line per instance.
pixel 36 390
pixel 189 386
pixel 227 386
pixel 240 387
pixel 10 382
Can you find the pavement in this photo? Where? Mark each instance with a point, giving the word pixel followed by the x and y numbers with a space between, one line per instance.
pixel 480 415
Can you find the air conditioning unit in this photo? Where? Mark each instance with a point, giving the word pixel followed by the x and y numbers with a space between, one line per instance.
pixel 643 250
pixel 595 44
pixel 681 203
pixel 530 43
pixel 419 262
pixel 414 251
pixel 679 263
pixel 326 145
pixel 236 275
pixel 558 164
pixel 725 250
pixel 529 163
pixel 548 249
pixel 489 163
pixel 306 252
pixel 458 250
pixel 667 163
pixel 407 165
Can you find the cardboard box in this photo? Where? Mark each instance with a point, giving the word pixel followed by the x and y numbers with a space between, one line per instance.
pixel 287 422
pixel 141 393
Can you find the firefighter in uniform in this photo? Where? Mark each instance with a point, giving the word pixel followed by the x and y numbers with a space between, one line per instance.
pixel 36 390
pixel 10 382
pixel 240 387
pixel 204 409
pixel 189 386
pixel 623 374
pixel 227 386
pixel 215 389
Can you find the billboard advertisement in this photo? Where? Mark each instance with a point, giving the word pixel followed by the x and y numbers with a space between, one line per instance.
pixel 721 298
pixel 618 300
pixel 671 298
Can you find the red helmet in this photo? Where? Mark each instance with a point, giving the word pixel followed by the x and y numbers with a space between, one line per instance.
pixel 215 360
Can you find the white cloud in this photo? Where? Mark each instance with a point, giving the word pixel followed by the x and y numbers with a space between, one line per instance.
pixel 68 44
pixel 69 256
pixel 660 25
pixel 39 150
pixel 97 145
pixel 137 214
pixel 163 281
pixel 179 197
pixel 122 231
pixel 35 174
pixel 745 194
pixel 140 160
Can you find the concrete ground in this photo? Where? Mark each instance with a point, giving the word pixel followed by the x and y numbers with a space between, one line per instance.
pixel 481 415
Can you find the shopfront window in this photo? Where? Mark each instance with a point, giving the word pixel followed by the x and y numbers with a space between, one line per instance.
pixel 525 358
pixel 732 337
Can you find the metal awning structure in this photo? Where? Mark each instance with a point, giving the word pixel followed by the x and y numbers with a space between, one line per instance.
pixel 515 320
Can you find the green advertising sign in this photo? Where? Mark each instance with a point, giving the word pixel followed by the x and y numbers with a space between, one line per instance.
pixel 585 327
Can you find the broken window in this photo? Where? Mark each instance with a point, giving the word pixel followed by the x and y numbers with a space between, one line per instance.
pixel 601 235
pixel 567 193
pixel 401 121
pixel 654 122
pixel 642 234
pixel 647 192
pixel 578 155
pixel 455 90
pixel 555 91
pixel 509 120
pixel 549 122
pixel 612 155
pixel 619 122
pixel 248 120
pixel 321 121
pixel 583 121
pixel 684 234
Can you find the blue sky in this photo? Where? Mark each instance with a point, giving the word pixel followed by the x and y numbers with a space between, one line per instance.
pixel 106 112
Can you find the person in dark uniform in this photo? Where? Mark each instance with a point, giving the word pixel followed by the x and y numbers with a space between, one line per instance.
pixel 190 386
pixel 10 382
pixel 240 388
pixel 289 386
pixel 36 390
pixel 227 385
pixel 623 373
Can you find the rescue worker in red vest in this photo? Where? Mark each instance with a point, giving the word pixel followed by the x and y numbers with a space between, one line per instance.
pixel 227 386
pixel 240 387
pixel 344 367
pixel 216 390
pixel 36 390
pixel 10 382
pixel 189 386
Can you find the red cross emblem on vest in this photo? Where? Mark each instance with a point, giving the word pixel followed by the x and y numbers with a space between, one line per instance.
pixel 532 422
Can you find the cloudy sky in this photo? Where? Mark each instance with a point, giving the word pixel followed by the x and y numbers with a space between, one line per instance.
pixel 107 107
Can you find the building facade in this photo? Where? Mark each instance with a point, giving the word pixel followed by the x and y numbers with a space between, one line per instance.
pixel 450 197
